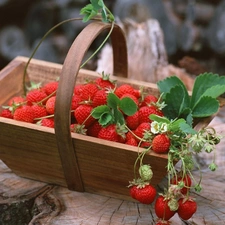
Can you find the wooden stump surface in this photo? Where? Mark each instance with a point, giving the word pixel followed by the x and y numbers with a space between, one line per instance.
pixel 24 201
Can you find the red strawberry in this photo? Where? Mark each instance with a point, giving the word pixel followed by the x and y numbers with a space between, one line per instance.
pixel 145 195
pixel 87 91
pixel 146 111
pixel 50 105
pixel 186 181
pixel 50 88
pixel 47 122
pixel 35 96
pixel 24 113
pixel 141 129
pixel 104 82
pixel 39 111
pixel 162 209
pixel 6 113
pixel 133 121
pixel 100 98
pixel 131 141
pixel 76 100
pixel 83 115
pixel 94 129
pixel 133 191
pixel 148 100
pixel 124 89
pixel 161 143
pixel 16 100
pixel 187 207
pixel 110 133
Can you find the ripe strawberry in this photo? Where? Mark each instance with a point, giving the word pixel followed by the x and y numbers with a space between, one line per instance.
pixel 162 209
pixel 35 96
pixel 83 115
pixel 94 129
pixel 50 105
pixel 78 89
pixel 124 89
pixel 50 88
pixel 186 180
pixel 146 111
pixel 187 207
pixel 76 100
pixel 16 100
pixel 24 113
pixel 47 122
pixel 132 121
pixel 145 195
pixel 87 91
pixel 148 100
pixel 131 141
pixel 104 82
pixel 100 98
pixel 141 129
pixel 39 111
pixel 133 191
pixel 109 133
pixel 161 143
pixel 6 113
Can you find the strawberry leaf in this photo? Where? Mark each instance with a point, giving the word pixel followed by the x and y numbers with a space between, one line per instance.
pixel 113 101
pixel 128 106
pixel 105 119
pixel 99 110
pixel 206 106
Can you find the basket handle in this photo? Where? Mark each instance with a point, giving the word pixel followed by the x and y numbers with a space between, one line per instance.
pixel 64 94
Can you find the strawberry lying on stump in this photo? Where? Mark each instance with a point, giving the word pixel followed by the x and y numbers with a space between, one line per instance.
pixel 162 124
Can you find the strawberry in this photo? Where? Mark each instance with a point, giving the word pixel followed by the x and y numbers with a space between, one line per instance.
pixel 104 82
pixel 109 133
pixel 141 129
pixel 76 100
pixel 47 122
pixel 50 88
pixel 186 182
pixel 87 91
pixel 50 105
pixel 162 209
pixel 94 129
pixel 132 121
pixel 146 111
pixel 145 195
pixel 83 115
pixel 17 100
pixel 124 89
pixel 161 143
pixel 187 207
pixel 163 222
pixel 35 96
pixel 148 100
pixel 133 190
pixel 131 141
pixel 39 111
pixel 24 113
pixel 100 98
pixel 6 113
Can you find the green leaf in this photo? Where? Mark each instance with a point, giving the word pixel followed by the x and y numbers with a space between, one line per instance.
pixel 204 82
pixel 105 119
pixel 176 101
pixel 97 5
pixel 186 128
pixel 99 110
pixel 128 106
pixel 168 83
pixel 118 117
pixel 159 119
pixel 113 101
pixel 206 106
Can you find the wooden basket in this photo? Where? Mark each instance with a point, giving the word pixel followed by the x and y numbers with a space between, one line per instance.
pixel 57 156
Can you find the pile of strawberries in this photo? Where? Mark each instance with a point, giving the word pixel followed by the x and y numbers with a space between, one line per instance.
pixel 38 107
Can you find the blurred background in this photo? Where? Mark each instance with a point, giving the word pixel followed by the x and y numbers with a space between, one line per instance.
pixel 191 28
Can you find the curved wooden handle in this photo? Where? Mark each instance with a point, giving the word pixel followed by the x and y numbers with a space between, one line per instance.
pixel 64 95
